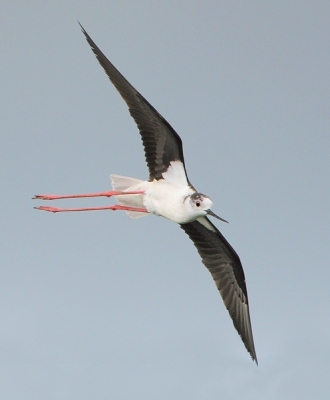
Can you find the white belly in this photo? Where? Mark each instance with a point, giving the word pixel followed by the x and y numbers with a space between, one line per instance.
pixel 161 198
pixel 167 200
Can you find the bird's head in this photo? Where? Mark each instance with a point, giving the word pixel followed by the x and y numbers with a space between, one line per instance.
pixel 201 206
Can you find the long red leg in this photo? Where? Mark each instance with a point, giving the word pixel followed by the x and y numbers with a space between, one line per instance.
pixel 114 208
pixel 75 196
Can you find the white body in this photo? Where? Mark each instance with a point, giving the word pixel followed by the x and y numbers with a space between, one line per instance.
pixel 168 197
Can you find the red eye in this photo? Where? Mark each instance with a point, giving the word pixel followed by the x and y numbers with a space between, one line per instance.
pixel 198 204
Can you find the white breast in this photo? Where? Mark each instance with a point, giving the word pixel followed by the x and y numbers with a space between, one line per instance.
pixel 167 200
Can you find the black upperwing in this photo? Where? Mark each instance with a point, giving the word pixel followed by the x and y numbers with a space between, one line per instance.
pixel 161 143
pixel 226 269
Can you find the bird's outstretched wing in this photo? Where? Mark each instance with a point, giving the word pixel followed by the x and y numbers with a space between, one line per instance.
pixel 226 269
pixel 161 143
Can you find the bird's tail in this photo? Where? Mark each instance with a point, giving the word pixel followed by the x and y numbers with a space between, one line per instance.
pixel 125 183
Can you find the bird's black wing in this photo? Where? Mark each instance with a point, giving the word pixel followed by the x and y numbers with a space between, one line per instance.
pixel 226 269
pixel 161 143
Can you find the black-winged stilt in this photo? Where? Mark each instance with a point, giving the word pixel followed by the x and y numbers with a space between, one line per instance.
pixel 169 194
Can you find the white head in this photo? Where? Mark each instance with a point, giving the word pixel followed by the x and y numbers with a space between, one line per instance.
pixel 201 206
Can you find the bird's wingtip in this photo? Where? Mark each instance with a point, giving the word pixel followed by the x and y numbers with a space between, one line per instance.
pixel 82 28
pixel 253 355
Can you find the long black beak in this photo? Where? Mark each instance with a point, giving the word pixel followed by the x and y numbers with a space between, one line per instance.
pixel 209 212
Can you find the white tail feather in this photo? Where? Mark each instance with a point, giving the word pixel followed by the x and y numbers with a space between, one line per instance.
pixel 136 215
pixel 125 183
pixel 122 183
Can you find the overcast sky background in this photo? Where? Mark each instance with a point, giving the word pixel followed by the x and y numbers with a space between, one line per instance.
pixel 95 306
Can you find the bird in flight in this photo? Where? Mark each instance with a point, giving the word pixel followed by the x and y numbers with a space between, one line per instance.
pixel 168 193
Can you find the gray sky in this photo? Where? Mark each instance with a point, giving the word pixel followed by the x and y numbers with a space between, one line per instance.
pixel 95 306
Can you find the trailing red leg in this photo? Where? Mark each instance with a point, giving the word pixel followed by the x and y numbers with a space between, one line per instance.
pixel 113 208
pixel 76 196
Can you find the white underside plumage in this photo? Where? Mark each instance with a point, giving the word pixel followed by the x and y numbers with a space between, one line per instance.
pixel 165 197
